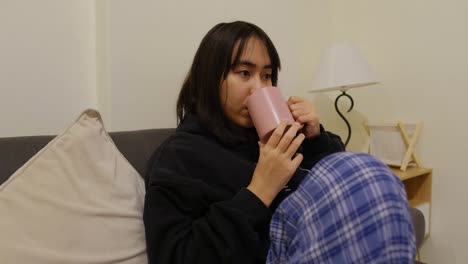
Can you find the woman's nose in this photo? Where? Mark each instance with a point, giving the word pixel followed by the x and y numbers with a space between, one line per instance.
pixel 257 84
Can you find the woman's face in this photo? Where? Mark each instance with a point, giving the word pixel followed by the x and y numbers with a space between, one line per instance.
pixel 252 72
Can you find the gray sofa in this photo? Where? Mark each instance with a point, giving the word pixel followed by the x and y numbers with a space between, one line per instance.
pixel 136 146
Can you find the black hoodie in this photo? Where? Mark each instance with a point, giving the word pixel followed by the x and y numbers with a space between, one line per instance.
pixel 197 207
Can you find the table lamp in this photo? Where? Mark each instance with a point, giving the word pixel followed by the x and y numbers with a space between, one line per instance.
pixel 341 68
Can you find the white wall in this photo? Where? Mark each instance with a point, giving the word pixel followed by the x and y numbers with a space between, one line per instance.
pixel 418 48
pixel 150 46
pixel 47 68
pixel 129 58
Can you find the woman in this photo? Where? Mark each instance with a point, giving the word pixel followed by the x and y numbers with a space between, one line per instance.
pixel 212 186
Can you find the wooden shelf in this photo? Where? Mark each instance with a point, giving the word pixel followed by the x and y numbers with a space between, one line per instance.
pixel 418 186
pixel 410 172
pixel 416 202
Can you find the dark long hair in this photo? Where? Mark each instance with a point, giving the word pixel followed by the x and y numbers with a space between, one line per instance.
pixel 200 93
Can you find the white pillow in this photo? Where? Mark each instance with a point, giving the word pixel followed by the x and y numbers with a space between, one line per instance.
pixel 76 201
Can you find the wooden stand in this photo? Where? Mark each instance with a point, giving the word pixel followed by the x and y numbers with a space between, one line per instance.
pixel 409 142
pixel 410 145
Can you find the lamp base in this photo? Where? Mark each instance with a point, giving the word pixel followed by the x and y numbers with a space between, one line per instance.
pixel 344 94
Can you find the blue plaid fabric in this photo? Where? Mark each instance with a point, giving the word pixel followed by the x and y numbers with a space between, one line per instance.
pixel 350 208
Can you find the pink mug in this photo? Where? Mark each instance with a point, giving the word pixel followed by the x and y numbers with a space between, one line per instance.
pixel 267 108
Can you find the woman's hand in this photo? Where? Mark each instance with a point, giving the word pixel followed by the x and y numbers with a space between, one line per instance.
pixel 304 112
pixel 277 162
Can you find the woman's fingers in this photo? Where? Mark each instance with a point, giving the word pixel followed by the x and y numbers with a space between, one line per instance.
pixel 296 162
pixel 277 135
pixel 286 142
pixel 305 113
pixel 288 137
pixel 294 100
pixel 294 146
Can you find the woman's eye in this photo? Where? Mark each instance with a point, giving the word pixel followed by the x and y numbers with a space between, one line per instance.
pixel 244 73
pixel 267 76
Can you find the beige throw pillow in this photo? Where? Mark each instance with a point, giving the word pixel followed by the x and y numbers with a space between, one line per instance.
pixel 76 201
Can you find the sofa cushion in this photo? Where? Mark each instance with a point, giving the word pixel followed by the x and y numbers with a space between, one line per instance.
pixel 78 200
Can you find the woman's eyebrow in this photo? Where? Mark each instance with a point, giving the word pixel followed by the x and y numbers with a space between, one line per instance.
pixel 250 64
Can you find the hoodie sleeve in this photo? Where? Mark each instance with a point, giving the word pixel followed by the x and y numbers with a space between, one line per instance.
pixel 188 221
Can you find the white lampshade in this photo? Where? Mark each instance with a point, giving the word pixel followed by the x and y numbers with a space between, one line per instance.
pixel 342 67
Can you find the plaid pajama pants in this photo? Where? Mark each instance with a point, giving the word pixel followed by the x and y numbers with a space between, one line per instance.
pixel 350 208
